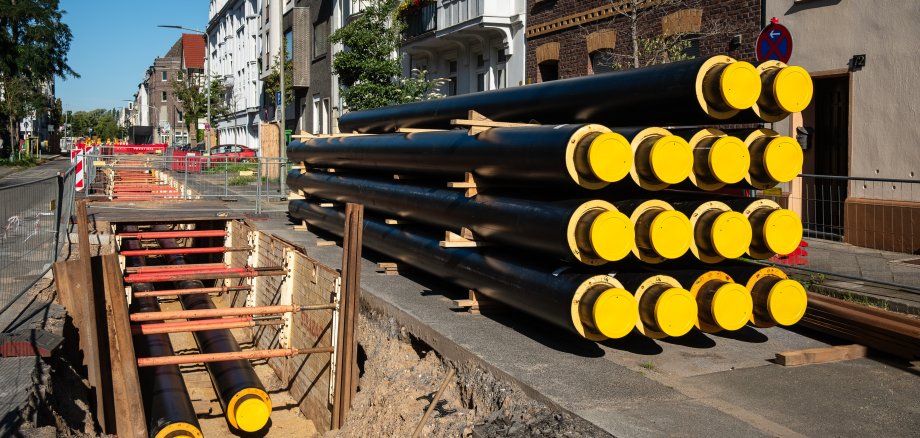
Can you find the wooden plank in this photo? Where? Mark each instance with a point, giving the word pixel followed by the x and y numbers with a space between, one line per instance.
pixel 89 329
pixel 413 130
pixel 454 240
pixel 126 385
pixel 813 356
pixel 346 355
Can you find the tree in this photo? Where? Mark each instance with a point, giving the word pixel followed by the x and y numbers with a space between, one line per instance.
pixel 659 48
pixel 192 97
pixel 368 68
pixel 33 50
pixel 272 82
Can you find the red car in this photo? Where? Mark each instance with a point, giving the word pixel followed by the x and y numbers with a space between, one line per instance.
pixel 231 153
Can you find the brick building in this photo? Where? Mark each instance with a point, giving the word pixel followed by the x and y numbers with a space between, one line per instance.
pixel 161 108
pixel 570 38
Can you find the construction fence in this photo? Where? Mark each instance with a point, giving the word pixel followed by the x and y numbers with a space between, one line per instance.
pixel 35 218
pixel 250 184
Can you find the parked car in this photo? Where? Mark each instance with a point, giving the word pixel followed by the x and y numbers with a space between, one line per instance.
pixel 232 153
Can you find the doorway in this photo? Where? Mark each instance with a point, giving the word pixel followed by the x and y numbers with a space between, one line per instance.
pixel 827 123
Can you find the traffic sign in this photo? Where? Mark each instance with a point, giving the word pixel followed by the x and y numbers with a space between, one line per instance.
pixel 774 43
pixel 277 98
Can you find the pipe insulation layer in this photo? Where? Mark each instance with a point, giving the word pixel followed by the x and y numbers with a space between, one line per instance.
pixel 595 307
pixel 592 232
pixel 590 156
pixel 167 404
pixel 242 396
pixel 694 92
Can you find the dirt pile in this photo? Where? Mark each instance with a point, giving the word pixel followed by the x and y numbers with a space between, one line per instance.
pixel 399 375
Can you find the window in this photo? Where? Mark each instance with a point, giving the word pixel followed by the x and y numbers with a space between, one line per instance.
pixel 325 115
pixel 452 78
pixel 164 75
pixel 163 96
pixel 602 61
pixel 316 110
pixel 549 71
pixel 320 38
pixel 289 45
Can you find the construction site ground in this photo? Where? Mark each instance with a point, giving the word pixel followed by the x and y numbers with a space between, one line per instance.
pixel 697 385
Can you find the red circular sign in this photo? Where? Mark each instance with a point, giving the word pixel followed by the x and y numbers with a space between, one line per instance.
pixel 774 43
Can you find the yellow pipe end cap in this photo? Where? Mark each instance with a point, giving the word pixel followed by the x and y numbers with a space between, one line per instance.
pixel 180 430
pixel 671 159
pixel 671 234
pixel 610 157
pixel 675 312
pixel 731 234
pixel 732 306
pixel 615 313
pixel 793 89
pixel 251 413
pixel 729 159
pixel 782 231
pixel 740 85
pixel 612 235
pixel 786 302
pixel 783 158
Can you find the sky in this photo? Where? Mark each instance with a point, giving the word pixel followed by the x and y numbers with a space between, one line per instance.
pixel 114 41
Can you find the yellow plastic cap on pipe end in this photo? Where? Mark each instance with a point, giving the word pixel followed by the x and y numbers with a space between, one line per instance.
pixel 732 306
pixel 782 231
pixel 729 159
pixel 251 411
pixel 792 89
pixel 740 85
pixel 786 302
pixel 783 158
pixel 731 234
pixel 671 159
pixel 180 430
pixel 671 234
pixel 675 312
pixel 610 157
pixel 615 313
pixel 612 235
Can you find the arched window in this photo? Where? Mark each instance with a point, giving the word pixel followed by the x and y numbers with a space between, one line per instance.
pixel 548 62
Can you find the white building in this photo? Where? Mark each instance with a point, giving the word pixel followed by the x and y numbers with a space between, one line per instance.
pixel 477 44
pixel 234 45
pixel 140 114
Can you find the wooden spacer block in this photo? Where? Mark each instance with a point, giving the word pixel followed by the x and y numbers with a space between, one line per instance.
pixel 478 123
pixel 813 356
pixel 411 130
pixel 468 183
pixel 326 204
pixel 326 243
pixel 394 222
pixel 454 240
pixel 477 302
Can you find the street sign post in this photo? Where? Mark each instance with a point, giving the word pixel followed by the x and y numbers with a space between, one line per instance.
pixel 774 43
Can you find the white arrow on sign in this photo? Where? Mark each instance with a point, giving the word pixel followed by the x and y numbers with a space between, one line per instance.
pixel 774 34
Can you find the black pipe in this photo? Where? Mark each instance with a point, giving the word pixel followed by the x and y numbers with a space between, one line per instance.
pixel 242 396
pixel 678 93
pixel 572 155
pixel 594 306
pixel 166 401
pixel 592 232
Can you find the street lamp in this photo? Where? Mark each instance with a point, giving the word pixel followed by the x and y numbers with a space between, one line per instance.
pixel 207 73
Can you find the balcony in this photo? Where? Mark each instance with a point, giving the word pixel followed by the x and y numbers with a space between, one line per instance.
pixel 460 13
pixel 420 21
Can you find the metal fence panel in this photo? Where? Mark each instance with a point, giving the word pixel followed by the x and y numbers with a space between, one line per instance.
pixel 34 219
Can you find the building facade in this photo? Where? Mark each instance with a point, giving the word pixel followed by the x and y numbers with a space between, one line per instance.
pixel 570 38
pixel 234 45
pixel 477 45
pixel 865 72
pixel 163 108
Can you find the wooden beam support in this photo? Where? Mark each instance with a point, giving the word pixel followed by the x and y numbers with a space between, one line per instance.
pixel 821 355
pixel 346 377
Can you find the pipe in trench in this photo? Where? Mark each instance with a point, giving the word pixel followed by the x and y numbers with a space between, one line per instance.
pixel 166 401
pixel 694 92
pixel 572 155
pixel 242 396
pixel 592 232
pixel 594 306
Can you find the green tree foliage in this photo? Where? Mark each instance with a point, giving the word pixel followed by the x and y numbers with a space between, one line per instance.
pixel 272 82
pixel 193 100
pixel 33 50
pixel 368 68
pixel 95 123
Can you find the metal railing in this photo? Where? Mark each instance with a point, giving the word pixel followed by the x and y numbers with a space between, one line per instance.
pixel 34 232
pixel 858 227
pixel 253 184
pixel 420 20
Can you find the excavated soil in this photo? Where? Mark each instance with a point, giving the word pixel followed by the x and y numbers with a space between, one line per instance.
pixel 398 371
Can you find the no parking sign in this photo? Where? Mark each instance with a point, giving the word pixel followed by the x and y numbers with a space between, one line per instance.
pixel 774 43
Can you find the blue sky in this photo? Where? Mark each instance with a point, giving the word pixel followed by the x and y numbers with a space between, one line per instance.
pixel 114 41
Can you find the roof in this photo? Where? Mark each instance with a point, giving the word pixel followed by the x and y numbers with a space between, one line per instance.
pixel 193 50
